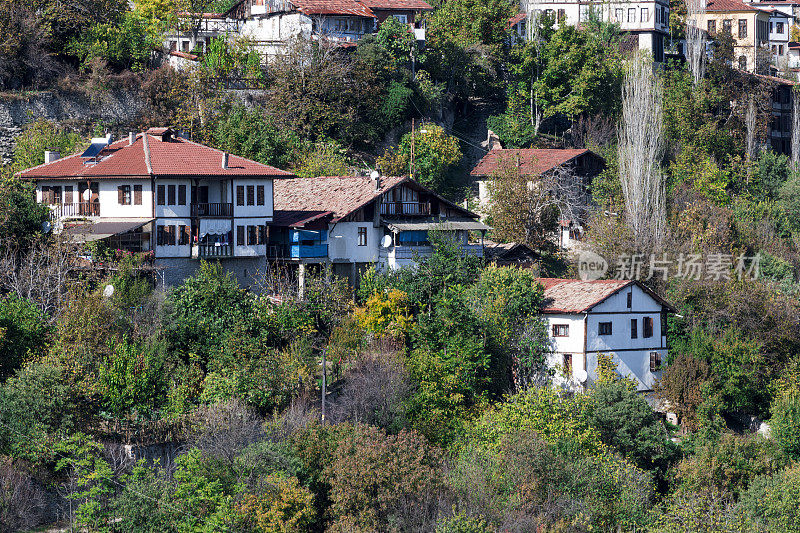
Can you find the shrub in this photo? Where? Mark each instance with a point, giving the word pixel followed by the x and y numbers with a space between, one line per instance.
pixel 785 423
pixel 23 333
pixel 386 314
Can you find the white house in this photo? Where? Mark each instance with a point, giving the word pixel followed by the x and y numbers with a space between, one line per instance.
pixel 356 221
pixel 157 191
pixel 270 24
pixel 620 318
pixel 647 21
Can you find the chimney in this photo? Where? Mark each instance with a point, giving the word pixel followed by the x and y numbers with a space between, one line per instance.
pixel 131 138
pixel 224 160
pixel 376 177
pixel 51 155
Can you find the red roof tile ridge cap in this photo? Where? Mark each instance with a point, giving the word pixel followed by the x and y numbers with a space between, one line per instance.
pixel 146 149
pixel 184 140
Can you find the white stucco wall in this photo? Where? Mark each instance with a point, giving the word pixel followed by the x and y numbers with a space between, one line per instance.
pixel 343 242
pixel 176 250
pixel 263 212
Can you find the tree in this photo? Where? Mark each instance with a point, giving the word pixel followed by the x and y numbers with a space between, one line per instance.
pixel 435 155
pixel 23 333
pixel 785 423
pixel 641 146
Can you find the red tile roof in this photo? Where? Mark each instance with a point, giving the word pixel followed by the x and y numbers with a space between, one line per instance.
pixel 339 195
pixel 333 7
pixel 516 19
pixel 729 5
pixel 531 161
pixel 149 155
pixel 575 295
pixel 579 296
pixel 405 5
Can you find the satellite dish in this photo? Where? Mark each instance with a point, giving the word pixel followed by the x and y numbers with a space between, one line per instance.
pixel 581 375
pixel 87 194
pixel 386 242
pixel 374 174
pixel 46 226
pixel 108 291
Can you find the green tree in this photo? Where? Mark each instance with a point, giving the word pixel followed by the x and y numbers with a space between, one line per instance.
pixel 436 154
pixel 23 333
pixel 133 378
pixel 785 423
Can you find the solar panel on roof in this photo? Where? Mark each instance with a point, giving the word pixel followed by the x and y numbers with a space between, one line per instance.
pixel 93 150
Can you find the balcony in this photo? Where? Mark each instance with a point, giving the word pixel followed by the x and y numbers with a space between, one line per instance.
pixel 212 210
pixel 213 250
pixel 76 209
pixel 299 251
pixel 405 208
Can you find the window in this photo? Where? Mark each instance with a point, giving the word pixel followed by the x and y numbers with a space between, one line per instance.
pixel 260 195
pixel 567 363
pixel 631 14
pixel 252 235
pixel 560 330
pixel 183 234
pixel 727 24
pixel 124 195
pixel 605 328
pixel 262 235
pixel 239 235
pixel 240 195
pixel 562 14
pixel 742 28
pixel 619 14
pixel 655 361
pixel 362 236
pixel 634 328
pixel 663 323
pixel 742 63
pixel 401 18
pixel 181 194
pixel 780 49
pixel 137 195
pixel 712 27
pixel 778 27
pixel 630 299
pixel 170 195
pixel 770 27
pixel 251 195
pixel 165 235
pixel 51 195
pixel 161 196
pixel 645 17
pixel 68 194
pixel 647 327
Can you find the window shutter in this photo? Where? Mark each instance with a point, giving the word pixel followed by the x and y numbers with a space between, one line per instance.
pixel 251 195
pixel 239 235
pixel 68 194
pixel 120 195
pixel 655 361
pixel 171 194
pixel 160 235
pixel 240 195
pixel 161 196
pixel 137 195
pixel 260 195
pixel 181 194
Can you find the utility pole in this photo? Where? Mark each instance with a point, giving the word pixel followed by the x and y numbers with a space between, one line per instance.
pixel 324 382
pixel 411 163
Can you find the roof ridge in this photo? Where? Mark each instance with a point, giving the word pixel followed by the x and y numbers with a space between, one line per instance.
pixel 146 149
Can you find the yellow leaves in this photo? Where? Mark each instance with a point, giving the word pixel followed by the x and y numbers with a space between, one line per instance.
pixel 287 507
pixel 386 314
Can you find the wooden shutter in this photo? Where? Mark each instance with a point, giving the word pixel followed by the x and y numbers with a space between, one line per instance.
pixel 239 235
pixel 181 194
pixel 251 195
pixel 160 235
pixel 161 197
pixel 647 327
pixel 240 195
pixel 171 194
pixel 262 235
pixel 655 361
pixel 260 195
pixel 68 194
pixel 137 195
pixel 121 195
pixel 57 194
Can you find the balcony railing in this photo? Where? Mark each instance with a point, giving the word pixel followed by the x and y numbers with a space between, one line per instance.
pixel 212 210
pixel 214 250
pixel 76 209
pixel 405 208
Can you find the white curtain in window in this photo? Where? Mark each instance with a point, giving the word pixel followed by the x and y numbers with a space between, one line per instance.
pixel 214 227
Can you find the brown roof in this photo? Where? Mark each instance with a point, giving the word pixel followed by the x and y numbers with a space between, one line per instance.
pixel 388 5
pixel 531 161
pixel 579 296
pixel 151 155
pixel 729 5
pixel 516 19
pixel 339 195
pixel 333 7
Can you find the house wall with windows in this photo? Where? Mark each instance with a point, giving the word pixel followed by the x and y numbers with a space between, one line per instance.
pixel 357 242
pixel 749 28
pixel 627 325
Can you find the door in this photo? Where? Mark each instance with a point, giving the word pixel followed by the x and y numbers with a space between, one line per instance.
pixel 89 204
pixel 202 194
